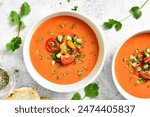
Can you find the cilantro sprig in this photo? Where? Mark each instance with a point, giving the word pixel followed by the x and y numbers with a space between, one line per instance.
pixel 91 91
pixel 134 11
pixel 16 19
pixel 111 23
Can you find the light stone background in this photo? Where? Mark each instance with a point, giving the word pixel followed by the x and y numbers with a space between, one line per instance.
pixel 99 10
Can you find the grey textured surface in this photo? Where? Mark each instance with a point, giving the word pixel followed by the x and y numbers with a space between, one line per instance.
pixel 99 10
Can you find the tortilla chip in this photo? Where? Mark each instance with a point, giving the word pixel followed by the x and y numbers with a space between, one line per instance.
pixel 25 93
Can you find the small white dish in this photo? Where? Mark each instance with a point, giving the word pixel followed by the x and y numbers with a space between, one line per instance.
pixel 71 87
pixel 11 84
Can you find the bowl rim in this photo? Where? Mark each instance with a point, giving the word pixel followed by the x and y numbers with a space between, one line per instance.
pixel 69 87
pixel 118 86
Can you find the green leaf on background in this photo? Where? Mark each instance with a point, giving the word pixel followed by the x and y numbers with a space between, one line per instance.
pixel 92 90
pixel 14 17
pixel 14 44
pixel 75 8
pixel 22 25
pixel 110 23
pixel 76 96
pixel 136 13
pixel 25 9
pixel 68 0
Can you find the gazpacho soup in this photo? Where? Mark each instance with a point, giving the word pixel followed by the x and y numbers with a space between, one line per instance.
pixel 132 66
pixel 64 50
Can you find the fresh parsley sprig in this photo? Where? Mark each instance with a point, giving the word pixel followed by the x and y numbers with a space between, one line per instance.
pixel 91 91
pixel 16 19
pixel 134 11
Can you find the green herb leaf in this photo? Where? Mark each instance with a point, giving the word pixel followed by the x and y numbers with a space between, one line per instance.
pixel 75 8
pixel 91 90
pixel 111 22
pixel 40 57
pixel 14 17
pixel 140 80
pixel 59 77
pixel 25 9
pixel 14 44
pixel 76 96
pixel 68 0
pixel 136 13
pixel 62 25
pixel 22 25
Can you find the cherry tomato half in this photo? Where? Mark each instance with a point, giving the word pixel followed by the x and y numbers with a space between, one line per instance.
pixel 147 60
pixel 52 45
pixel 67 60
pixel 145 74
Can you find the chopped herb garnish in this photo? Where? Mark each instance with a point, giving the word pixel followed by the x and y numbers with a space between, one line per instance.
pixel 82 47
pixel 131 71
pixel 80 73
pixel 89 35
pixel 59 77
pixel 125 60
pixel 66 73
pixel 68 0
pixel 86 68
pixel 92 52
pixel 83 55
pixel 137 50
pixel 74 25
pixel 140 80
pixel 51 33
pixel 40 57
pixel 93 42
pixel 59 66
pixel 54 71
pixel 75 8
pixel 128 65
pixel 40 40
pixel 62 25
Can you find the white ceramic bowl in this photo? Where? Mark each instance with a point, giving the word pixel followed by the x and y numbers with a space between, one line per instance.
pixel 71 87
pixel 120 89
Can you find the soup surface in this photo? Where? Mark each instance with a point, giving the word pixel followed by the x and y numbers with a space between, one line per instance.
pixel 129 75
pixel 56 70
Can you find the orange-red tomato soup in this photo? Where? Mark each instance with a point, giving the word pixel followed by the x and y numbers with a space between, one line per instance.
pixel 42 61
pixel 126 79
